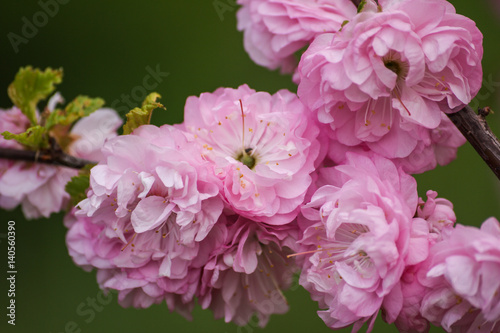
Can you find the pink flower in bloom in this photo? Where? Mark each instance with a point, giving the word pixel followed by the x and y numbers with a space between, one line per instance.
pixel 390 72
pixel 434 146
pixel 439 214
pixel 462 280
pixel 274 30
pixel 152 200
pixel 37 187
pixel 410 318
pixel 434 218
pixel 13 121
pixel 356 241
pixel 90 134
pixel 139 287
pixel 83 239
pixel 248 271
pixel 263 148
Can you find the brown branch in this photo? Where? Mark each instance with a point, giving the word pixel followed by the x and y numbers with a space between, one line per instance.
pixel 52 157
pixel 475 129
pixel 473 126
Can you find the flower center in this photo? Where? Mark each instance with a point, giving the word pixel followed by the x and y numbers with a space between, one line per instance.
pixel 393 66
pixel 394 63
pixel 246 158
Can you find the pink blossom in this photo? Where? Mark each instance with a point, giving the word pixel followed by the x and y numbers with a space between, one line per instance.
pixel 438 212
pixel 435 146
pixel 152 177
pixel 248 271
pixel 274 30
pixel 40 188
pixel 462 278
pixel 13 121
pixel 91 133
pixel 151 202
pixel 434 218
pixel 410 319
pixel 387 74
pixel 263 148
pixel 356 241
pixel 138 287
pixel 87 249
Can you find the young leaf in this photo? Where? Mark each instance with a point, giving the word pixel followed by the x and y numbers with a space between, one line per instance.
pixel 343 23
pixel 151 100
pixel 76 188
pixel 35 137
pixel 142 116
pixel 80 107
pixel 30 86
pixel 361 6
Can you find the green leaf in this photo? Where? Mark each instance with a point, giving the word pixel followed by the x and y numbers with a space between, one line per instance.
pixel 151 100
pixel 30 86
pixel 80 107
pixel 76 188
pixel 142 116
pixel 361 6
pixel 35 137
pixel 343 23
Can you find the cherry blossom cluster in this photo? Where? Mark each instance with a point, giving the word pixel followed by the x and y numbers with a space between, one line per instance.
pixel 252 188
pixel 40 188
pixel 205 209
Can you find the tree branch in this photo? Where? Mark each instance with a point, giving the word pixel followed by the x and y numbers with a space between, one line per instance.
pixel 475 129
pixel 52 157
pixel 473 126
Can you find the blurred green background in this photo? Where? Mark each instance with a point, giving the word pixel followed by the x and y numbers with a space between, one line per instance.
pixel 105 48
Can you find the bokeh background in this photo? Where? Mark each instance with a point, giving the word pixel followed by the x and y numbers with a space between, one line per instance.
pixel 105 48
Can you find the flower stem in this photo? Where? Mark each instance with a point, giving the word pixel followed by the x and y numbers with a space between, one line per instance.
pixel 45 156
pixel 475 129
pixel 473 126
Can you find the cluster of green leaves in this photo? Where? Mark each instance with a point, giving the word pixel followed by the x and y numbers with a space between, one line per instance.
pixel 32 86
